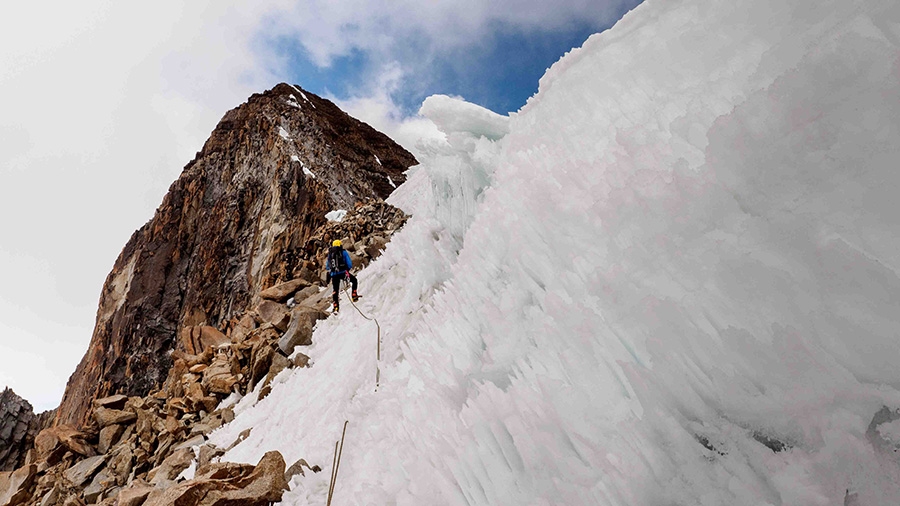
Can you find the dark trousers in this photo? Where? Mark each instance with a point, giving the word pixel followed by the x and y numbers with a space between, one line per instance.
pixel 336 283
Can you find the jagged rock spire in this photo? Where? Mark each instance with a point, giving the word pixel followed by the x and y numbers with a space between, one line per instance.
pixel 235 221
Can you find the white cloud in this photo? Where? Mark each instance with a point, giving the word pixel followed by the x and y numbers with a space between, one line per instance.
pixel 376 107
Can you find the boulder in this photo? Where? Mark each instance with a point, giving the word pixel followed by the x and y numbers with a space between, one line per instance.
pixel 120 462
pixel 279 363
pixel 106 417
pixel 148 425
pixel 207 454
pixel 376 245
pixel 274 313
pixel 305 294
pixel 197 339
pixel 242 329
pixel 198 368
pixel 299 332
pixel 283 291
pixel 109 436
pixel 228 483
pixel 111 402
pixel 320 300
pixel 51 497
pixel 49 440
pixel 84 470
pixel 194 441
pixel 15 486
pixel 171 467
pixel 261 360
pixel 135 495
pixel 102 482
pixel 221 376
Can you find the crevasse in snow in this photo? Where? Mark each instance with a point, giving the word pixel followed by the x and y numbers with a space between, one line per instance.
pixel 679 257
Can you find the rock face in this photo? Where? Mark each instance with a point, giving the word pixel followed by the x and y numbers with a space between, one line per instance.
pixel 237 221
pixel 18 427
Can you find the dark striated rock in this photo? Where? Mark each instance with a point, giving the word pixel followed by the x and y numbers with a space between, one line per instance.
pixel 16 416
pixel 239 219
pixel 18 428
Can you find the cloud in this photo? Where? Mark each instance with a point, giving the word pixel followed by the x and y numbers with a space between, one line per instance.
pixel 376 107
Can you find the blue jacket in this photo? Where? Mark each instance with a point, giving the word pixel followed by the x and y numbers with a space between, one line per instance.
pixel 330 268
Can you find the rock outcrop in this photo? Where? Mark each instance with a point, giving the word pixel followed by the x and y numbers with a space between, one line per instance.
pixel 18 427
pixel 241 218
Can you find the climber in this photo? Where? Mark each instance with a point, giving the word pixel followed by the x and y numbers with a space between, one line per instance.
pixel 338 266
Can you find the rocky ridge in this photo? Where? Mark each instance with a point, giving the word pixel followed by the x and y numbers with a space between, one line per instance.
pixel 151 450
pixel 18 427
pixel 239 219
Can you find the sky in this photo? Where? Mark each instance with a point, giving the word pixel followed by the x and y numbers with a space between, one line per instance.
pixel 102 104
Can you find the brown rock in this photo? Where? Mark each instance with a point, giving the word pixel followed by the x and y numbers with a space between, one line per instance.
pixel 73 500
pixel 261 360
pixel 198 368
pixel 299 332
pixel 237 219
pixel 297 468
pixel 121 462
pixel 194 396
pixel 301 360
pixel 197 339
pixel 273 312
pixel 112 402
pixel 279 363
pixel 135 495
pixel 106 417
pixel 84 470
pixel 49 440
pixel 109 436
pixel 283 291
pixel 207 454
pixel 229 484
pixel 193 441
pixel 243 328
pixel 220 377
pixel 376 246
pixel 15 487
pixel 102 482
pixel 171 467
pixel 51 497
pixel 305 294
pixel 148 425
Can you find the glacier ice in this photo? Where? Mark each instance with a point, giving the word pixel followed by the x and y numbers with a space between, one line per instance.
pixel 671 278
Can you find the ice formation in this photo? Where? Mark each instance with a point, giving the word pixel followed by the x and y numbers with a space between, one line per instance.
pixel 672 278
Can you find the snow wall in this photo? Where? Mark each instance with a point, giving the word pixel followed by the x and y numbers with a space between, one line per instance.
pixel 672 278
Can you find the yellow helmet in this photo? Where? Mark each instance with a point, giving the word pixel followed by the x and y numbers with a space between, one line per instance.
pixel 337 242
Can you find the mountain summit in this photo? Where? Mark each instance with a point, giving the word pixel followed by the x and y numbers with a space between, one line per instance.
pixel 236 221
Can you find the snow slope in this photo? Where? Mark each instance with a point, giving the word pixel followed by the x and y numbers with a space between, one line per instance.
pixel 680 256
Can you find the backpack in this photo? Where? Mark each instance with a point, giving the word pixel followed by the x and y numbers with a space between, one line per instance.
pixel 336 259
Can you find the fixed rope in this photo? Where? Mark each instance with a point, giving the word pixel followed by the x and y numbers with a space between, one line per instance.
pixel 336 463
pixel 373 319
